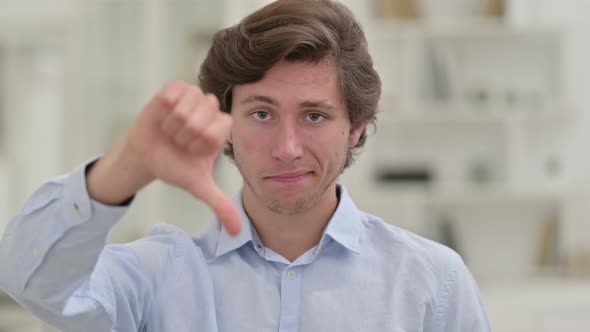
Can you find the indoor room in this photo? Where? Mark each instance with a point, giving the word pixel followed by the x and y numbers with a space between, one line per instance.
pixel 478 144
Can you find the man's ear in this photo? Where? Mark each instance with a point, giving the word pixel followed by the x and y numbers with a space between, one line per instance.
pixel 355 134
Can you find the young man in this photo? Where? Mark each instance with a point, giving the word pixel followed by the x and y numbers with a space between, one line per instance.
pixel 296 88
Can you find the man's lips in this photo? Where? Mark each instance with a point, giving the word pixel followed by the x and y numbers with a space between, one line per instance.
pixel 290 177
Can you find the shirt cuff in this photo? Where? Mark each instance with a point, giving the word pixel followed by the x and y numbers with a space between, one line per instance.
pixel 80 208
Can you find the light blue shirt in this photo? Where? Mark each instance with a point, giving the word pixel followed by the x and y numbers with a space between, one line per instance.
pixel 364 275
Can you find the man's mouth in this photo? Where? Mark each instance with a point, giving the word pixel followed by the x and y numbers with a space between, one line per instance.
pixel 290 177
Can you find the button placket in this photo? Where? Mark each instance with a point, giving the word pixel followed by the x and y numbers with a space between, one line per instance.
pixel 290 299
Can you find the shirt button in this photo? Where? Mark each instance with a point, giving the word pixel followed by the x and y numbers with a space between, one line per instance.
pixel 292 274
pixel 37 252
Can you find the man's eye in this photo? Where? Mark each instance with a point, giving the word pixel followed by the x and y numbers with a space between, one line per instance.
pixel 261 115
pixel 315 117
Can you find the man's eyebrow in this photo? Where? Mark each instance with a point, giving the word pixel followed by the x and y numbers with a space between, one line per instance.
pixel 260 98
pixel 317 104
pixel 320 104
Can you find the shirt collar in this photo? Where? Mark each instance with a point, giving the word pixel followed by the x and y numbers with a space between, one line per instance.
pixel 344 226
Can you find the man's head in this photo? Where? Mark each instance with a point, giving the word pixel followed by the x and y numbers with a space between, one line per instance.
pixel 300 85
pixel 295 31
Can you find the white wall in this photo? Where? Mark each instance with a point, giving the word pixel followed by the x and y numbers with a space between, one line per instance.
pixel 571 17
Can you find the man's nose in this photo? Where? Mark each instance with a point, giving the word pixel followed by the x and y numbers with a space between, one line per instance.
pixel 287 146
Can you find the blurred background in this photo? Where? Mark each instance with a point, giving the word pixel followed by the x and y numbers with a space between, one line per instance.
pixel 480 143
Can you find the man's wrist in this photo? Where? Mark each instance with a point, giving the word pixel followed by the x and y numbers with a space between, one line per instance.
pixel 115 178
pixel 127 202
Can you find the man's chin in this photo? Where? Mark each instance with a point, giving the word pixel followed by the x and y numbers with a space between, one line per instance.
pixel 291 203
pixel 288 208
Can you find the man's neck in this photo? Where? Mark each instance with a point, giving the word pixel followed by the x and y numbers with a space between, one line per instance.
pixel 291 235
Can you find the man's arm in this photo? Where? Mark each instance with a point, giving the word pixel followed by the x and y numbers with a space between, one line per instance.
pixel 51 257
pixel 50 249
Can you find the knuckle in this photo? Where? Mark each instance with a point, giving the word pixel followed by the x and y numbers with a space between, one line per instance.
pixel 213 101
pixel 171 87
pixel 194 126
pixel 195 91
pixel 210 138
pixel 179 116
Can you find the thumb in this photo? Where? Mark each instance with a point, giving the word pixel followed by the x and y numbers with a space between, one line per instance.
pixel 223 207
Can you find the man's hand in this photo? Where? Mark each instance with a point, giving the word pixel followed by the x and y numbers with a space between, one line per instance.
pixel 176 138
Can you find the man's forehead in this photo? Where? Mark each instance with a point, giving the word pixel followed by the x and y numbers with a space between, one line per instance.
pixel 301 82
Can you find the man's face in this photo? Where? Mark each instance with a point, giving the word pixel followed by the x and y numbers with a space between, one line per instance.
pixel 290 135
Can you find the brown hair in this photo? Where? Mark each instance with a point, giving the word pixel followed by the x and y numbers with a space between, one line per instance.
pixel 295 30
